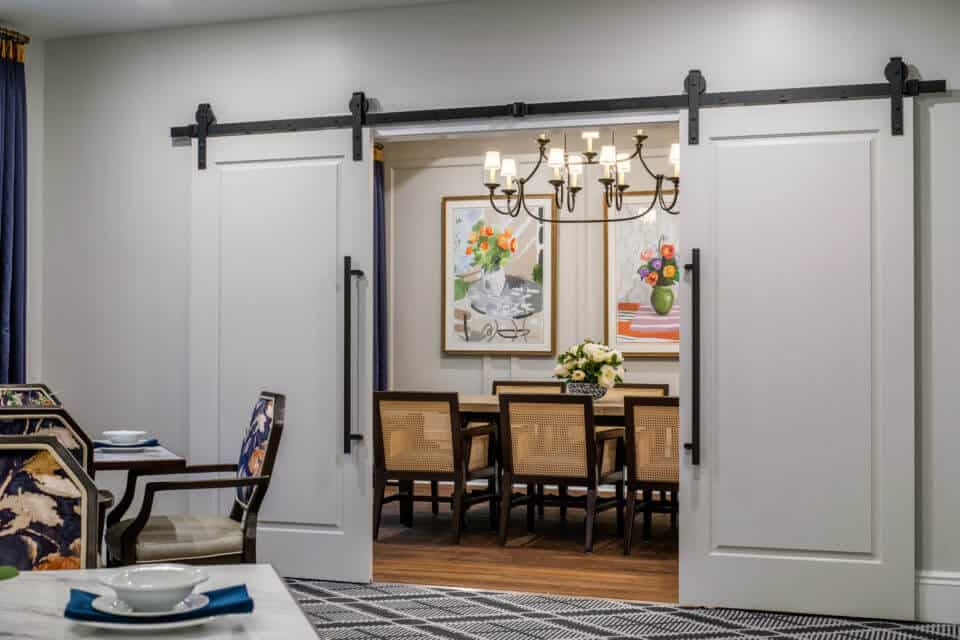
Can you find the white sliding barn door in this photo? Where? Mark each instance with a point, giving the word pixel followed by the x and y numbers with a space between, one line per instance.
pixel 273 217
pixel 804 499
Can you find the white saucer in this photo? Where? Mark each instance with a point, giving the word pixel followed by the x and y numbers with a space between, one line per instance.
pixel 122 445
pixel 121 449
pixel 110 604
pixel 146 627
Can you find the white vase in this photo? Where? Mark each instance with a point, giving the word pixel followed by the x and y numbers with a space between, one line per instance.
pixel 494 282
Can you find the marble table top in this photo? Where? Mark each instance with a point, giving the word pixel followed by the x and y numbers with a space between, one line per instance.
pixel 31 607
pixel 149 458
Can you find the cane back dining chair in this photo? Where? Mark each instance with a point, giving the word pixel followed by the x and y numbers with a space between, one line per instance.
pixel 203 539
pixel 419 436
pixel 534 386
pixel 653 460
pixel 48 506
pixel 548 438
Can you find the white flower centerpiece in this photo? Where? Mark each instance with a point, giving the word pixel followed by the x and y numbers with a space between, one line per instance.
pixel 590 368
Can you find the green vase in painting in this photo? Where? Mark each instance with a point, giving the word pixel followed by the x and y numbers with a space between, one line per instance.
pixel 662 300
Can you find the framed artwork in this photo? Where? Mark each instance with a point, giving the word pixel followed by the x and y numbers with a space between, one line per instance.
pixel 499 278
pixel 641 276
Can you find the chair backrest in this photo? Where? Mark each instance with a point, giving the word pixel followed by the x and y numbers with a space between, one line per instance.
pixel 48 506
pixel 261 441
pixel 28 395
pixel 624 389
pixel 528 386
pixel 548 436
pixel 57 422
pixel 414 431
pixel 653 439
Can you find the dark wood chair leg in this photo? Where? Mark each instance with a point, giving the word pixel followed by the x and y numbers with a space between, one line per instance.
pixel 494 503
pixel 406 503
pixel 379 487
pixel 458 512
pixel 628 528
pixel 619 508
pixel 647 521
pixel 540 502
pixel 562 492
pixel 434 493
pixel 531 507
pixel 673 509
pixel 590 520
pixel 506 498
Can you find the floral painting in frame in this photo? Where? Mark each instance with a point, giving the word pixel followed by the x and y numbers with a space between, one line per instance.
pixel 499 278
pixel 641 281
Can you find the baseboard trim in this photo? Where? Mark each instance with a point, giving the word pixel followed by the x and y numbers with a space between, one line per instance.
pixel 938 596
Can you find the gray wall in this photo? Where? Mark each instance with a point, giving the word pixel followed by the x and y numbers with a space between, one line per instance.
pixel 116 195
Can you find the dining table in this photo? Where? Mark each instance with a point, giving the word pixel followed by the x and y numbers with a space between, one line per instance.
pixel 32 604
pixel 477 407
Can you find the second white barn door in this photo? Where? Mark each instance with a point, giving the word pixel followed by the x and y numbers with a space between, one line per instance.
pixel 273 218
pixel 804 498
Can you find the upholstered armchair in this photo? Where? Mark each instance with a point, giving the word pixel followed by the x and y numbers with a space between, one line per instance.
pixel 28 395
pixel 48 506
pixel 548 438
pixel 203 539
pixel 419 436
pixel 653 460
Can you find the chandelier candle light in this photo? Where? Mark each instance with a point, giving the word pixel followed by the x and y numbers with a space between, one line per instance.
pixel 567 178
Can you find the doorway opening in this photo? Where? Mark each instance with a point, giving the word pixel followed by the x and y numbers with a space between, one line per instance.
pixel 600 290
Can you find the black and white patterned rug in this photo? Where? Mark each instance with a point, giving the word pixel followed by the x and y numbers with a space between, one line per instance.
pixel 343 611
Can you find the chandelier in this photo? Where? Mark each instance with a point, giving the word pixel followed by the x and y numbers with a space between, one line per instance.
pixel 567 179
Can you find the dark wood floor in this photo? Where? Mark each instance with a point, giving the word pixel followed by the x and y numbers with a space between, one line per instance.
pixel 550 561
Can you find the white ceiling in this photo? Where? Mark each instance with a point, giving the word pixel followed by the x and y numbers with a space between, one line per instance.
pixel 61 18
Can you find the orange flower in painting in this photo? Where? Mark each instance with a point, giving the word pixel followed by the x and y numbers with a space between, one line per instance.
pixel 488 231
pixel 507 233
pixel 469 250
pixel 513 245
pixel 484 246
pixel 57 562
pixel 503 241
pixel 473 237
pixel 669 271
pixel 667 251
pixel 256 461
pixel 652 278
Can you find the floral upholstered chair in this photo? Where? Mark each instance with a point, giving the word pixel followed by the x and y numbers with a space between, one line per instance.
pixel 25 420
pixel 203 539
pixel 48 506
pixel 28 395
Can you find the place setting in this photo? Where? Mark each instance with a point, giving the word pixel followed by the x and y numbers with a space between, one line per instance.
pixel 124 441
pixel 155 598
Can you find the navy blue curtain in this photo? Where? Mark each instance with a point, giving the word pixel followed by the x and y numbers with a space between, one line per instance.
pixel 379 280
pixel 13 221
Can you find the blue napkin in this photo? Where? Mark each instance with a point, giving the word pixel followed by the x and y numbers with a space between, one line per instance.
pixel 222 602
pixel 146 443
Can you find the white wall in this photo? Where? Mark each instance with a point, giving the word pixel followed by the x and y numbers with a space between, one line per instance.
pixel 116 193
pixel 418 175
pixel 34 68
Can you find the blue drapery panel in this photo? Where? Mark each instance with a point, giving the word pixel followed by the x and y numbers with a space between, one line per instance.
pixel 379 281
pixel 13 221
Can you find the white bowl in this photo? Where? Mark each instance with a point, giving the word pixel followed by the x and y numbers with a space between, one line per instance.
pixel 157 587
pixel 123 436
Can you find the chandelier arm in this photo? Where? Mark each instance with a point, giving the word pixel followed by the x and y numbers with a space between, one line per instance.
pixel 590 220
pixel 571 200
pixel 493 204
pixel 536 167
pixel 673 202
pixel 643 163
pixel 558 195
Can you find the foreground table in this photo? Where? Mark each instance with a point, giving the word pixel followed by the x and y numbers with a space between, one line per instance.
pixel 150 459
pixel 31 607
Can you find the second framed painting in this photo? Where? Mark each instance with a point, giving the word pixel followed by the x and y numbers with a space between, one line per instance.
pixel 499 278
pixel 641 276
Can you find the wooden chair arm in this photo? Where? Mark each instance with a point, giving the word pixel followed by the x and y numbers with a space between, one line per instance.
pixel 130 490
pixel 128 541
